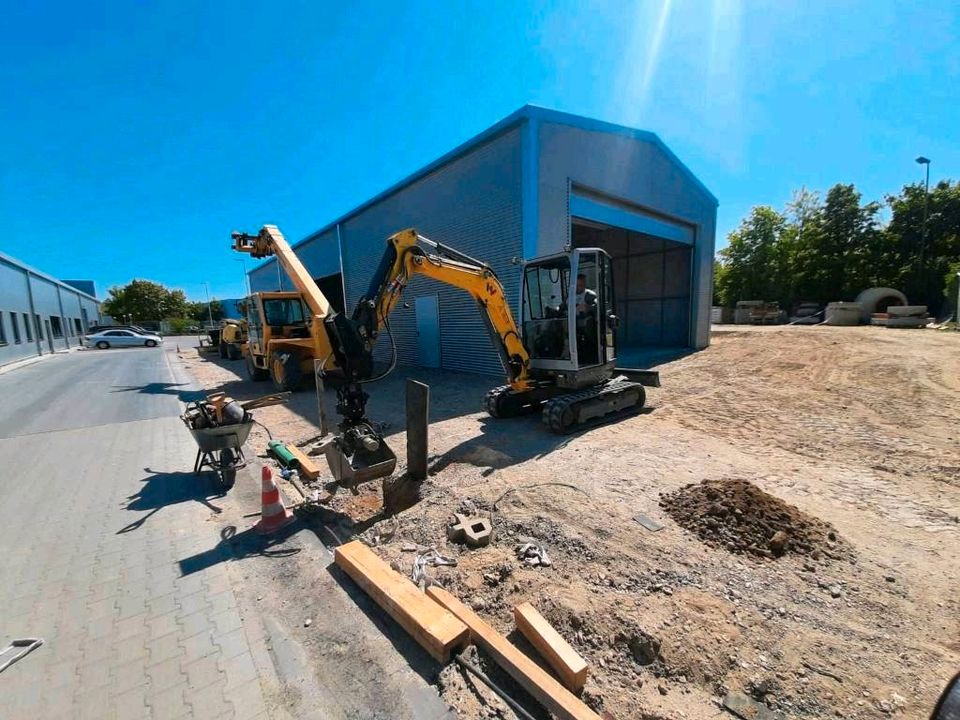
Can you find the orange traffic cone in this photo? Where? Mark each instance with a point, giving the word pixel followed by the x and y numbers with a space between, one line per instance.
pixel 274 515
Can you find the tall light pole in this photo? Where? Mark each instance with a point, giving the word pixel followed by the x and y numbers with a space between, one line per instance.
pixel 209 308
pixel 246 278
pixel 923 233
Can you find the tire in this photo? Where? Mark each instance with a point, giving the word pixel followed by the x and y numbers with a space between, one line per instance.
pixel 285 371
pixel 151 343
pixel 227 474
pixel 103 345
pixel 233 352
pixel 222 349
pixel 255 373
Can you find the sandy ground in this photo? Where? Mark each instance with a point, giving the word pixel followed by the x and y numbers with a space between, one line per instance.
pixel 857 427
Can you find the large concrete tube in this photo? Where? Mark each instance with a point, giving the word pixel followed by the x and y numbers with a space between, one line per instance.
pixel 878 299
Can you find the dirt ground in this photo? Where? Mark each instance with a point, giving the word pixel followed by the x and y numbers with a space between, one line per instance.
pixel 857 428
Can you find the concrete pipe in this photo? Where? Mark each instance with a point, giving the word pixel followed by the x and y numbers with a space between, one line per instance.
pixel 843 313
pixel 878 300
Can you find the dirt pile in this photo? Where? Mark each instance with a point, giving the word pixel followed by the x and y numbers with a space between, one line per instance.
pixel 740 517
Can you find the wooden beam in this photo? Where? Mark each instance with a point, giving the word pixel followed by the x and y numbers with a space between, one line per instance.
pixel 435 629
pixel 567 662
pixel 305 464
pixel 536 681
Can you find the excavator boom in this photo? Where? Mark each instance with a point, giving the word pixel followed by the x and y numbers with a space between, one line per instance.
pixel 410 254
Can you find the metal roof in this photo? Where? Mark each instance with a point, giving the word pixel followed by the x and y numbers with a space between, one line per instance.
pixel 527 112
pixel 44 276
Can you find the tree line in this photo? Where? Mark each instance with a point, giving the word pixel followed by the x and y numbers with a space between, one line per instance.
pixel 143 300
pixel 822 249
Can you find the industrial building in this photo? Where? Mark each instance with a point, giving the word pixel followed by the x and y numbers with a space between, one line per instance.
pixel 40 314
pixel 530 185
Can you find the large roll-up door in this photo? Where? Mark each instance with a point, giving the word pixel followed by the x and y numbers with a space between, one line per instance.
pixel 651 269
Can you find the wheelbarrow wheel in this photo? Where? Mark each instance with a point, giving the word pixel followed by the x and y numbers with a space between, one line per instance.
pixel 227 471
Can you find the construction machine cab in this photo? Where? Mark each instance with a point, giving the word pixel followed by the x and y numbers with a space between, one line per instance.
pixel 567 315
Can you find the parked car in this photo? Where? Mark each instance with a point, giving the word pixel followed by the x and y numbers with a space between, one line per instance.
pixel 94 329
pixel 121 338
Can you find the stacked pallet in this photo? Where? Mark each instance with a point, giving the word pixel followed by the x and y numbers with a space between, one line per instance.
pixel 907 316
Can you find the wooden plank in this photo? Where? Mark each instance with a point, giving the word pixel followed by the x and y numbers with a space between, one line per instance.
pixel 567 662
pixel 534 679
pixel 435 629
pixel 305 464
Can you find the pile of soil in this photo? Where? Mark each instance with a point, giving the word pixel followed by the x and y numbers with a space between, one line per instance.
pixel 740 517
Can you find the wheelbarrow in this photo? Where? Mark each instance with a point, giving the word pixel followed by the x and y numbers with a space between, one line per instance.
pixel 219 448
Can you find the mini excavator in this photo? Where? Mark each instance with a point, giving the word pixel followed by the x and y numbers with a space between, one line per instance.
pixel 559 360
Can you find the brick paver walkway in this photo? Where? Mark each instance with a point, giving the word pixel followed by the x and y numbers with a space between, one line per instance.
pixel 93 524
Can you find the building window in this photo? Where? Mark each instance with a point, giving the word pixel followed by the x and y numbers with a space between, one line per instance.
pixel 14 320
pixel 76 324
pixel 55 327
pixel 39 327
pixel 26 327
pixel 3 331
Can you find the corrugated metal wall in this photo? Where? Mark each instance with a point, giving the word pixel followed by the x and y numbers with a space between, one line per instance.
pixel 320 255
pixel 635 171
pixel 473 204
pixel 50 300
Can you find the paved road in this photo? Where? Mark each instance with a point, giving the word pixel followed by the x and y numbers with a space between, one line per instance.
pixel 95 513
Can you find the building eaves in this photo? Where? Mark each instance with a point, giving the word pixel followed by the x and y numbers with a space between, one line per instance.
pixel 525 113
pixel 44 276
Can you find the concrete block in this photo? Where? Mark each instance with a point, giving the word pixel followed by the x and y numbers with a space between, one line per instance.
pixel 472 531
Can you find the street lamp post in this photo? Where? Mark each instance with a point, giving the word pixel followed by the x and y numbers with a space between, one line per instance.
pixel 246 278
pixel 209 308
pixel 923 232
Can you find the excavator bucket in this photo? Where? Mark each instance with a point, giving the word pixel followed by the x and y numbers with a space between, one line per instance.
pixel 361 465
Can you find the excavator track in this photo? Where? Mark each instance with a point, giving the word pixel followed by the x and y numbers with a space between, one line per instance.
pixel 565 413
pixel 503 402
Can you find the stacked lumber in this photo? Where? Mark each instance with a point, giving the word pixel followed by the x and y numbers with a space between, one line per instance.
pixel 442 624
pixel 433 627
pixel 536 681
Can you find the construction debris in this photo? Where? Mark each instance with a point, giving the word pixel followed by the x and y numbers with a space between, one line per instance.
pixel 533 553
pixel 430 558
pixel 433 627
pixel 747 708
pixel 566 661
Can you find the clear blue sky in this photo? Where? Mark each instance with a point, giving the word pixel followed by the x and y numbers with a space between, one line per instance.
pixel 135 136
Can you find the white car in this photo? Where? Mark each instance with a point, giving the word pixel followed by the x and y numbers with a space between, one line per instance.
pixel 121 338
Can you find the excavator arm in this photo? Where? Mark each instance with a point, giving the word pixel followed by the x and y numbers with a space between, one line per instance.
pixel 409 254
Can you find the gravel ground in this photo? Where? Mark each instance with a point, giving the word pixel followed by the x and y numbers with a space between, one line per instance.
pixel 854 428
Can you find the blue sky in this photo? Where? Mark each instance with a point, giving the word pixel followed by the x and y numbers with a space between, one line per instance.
pixel 135 136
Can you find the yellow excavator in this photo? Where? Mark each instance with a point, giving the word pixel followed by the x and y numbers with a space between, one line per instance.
pixel 559 360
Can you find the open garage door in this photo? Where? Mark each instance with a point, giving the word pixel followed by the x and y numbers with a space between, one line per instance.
pixel 652 275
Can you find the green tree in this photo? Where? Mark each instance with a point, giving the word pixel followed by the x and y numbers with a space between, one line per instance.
pixel 942 247
pixel 142 300
pixel 198 311
pixel 748 265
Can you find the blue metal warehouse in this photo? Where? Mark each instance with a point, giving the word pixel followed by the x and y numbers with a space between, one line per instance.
pixel 531 184
pixel 40 314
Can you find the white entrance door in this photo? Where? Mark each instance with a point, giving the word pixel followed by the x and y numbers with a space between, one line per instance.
pixel 428 331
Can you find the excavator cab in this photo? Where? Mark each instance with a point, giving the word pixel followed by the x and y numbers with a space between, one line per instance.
pixel 567 316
